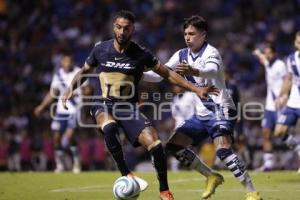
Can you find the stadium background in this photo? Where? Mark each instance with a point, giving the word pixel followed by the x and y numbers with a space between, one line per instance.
pixel 32 34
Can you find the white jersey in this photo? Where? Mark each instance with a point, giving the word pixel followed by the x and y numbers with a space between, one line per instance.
pixel 293 64
pixel 275 73
pixel 61 81
pixel 183 107
pixel 209 62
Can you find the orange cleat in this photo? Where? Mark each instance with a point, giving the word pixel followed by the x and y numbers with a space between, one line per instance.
pixel 166 195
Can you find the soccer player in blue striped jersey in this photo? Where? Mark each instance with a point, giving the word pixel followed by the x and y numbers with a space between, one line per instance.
pixel 64 122
pixel 290 93
pixel 275 71
pixel 214 117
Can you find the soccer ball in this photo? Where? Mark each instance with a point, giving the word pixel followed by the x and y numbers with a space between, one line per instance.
pixel 126 188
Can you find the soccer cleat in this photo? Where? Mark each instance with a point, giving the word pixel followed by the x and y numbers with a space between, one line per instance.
pixel 253 196
pixel 59 168
pixel 143 184
pixel 76 169
pixel 166 195
pixel 212 182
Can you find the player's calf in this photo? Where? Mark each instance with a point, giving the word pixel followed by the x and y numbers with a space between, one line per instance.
pixel 236 167
pixel 188 158
pixel 159 161
pixel 110 132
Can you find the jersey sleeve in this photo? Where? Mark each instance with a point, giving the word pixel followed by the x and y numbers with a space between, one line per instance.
pixel 288 64
pixel 173 61
pixel 151 76
pixel 214 58
pixel 150 61
pixel 282 71
pixel 92 59
pixel 55 82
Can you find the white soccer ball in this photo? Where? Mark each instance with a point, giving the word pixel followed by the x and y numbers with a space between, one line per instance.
pixel 126 188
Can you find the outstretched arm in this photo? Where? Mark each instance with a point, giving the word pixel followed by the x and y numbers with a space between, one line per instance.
pixel 261 57
pixel 76 82
pixel 152 77
pixel 48 99
pixel 176 79
pixel 209 71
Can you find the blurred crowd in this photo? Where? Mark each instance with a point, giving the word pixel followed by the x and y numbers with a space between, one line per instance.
pixel 32 34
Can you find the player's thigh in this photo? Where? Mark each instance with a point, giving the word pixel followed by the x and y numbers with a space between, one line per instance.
pixel 102 114
pixel 134 123
pixel 71 125
pixel 286 119
pixel 180 139
pixel 191 131
pixel 60 123
pixel 69 133
pixel 269 120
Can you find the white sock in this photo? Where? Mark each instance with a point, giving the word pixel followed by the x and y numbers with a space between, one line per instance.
pixel 237 168
pixel 75 156
pixel 247 183
pixel 268 160
pixel 58 158
pixel 174 164
pixel 200 167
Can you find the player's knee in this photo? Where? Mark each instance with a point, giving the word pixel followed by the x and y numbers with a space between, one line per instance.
pixel 109 129
pixel 155 145
pixel 280 130
pixel 157 151
pixel 223 153
pixel 172 148
pixel 223 142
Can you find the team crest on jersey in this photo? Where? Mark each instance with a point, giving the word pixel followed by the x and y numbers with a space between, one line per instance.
pixel 117 65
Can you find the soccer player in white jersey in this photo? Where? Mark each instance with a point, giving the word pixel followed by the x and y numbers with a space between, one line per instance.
pixel 290 91
pixel 215 116
pixel 275 71
pixel 64 121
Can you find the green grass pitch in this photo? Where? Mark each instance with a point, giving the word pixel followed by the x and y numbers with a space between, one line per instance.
pixel 185 185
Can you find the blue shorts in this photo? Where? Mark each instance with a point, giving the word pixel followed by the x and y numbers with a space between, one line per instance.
pixel 128 117
pixel 63 121
pixel 269 120
pixel 289 116
pixel 198 128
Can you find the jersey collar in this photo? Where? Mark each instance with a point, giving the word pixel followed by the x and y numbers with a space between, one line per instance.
pixel 199 53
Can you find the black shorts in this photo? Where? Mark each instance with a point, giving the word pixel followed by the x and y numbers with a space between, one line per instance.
pixel 128 117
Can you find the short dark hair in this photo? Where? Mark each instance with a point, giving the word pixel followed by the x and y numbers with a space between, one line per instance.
pixel 126 14
pixel 66 52
pixel 271 46
pixel 196 21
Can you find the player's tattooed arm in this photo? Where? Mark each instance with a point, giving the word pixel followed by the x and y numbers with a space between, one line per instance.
pixel 50 96
pixel 78 79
